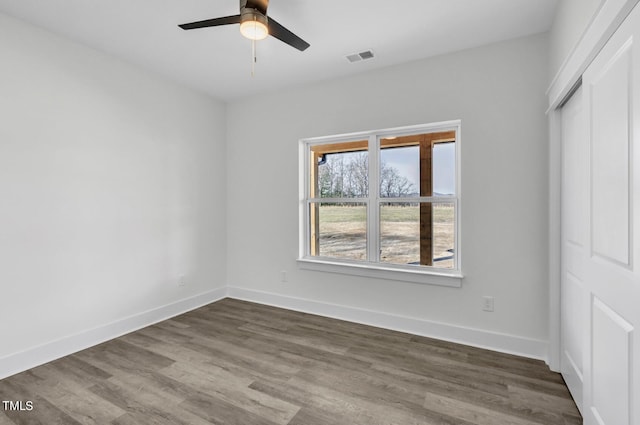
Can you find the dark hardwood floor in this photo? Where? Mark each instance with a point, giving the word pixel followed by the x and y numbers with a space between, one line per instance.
pixel 234 362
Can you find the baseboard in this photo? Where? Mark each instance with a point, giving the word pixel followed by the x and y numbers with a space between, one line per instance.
pixel 505 343
pixel 19 362
pixel 527 347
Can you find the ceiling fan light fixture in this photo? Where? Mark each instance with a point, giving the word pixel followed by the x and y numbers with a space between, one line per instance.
pixel 254 26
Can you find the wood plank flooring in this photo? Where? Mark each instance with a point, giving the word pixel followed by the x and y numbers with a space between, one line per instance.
pixel 238 363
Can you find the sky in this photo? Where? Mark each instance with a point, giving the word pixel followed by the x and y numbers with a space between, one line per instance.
pixel 407 162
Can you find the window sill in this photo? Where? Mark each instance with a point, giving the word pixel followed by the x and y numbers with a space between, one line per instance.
pixel 378 271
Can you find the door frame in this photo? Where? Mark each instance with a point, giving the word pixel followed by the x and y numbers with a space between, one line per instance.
pixel 605 22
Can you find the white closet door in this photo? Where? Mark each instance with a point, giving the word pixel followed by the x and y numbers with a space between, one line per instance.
pixel 611 271
pixel 575 166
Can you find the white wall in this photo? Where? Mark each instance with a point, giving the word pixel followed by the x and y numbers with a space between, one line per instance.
pixel 112 186
pixel 571 21
pixel 498 92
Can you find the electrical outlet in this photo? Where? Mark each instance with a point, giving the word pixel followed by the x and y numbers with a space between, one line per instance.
pixel 283 276
pixel 182 282
pixel 487 303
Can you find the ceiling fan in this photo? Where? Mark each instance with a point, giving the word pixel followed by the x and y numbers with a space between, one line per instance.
pixel 254 24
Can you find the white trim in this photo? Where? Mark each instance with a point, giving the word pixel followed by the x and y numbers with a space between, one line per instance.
pixel 458 207
pixel 404 200
pixel 303 207
pixel 397 131
pixel 372 267
pixel 430 276
pixel 608 18
pixel 45 353
pixel 555 170
pixel 373 208
pixel 496 341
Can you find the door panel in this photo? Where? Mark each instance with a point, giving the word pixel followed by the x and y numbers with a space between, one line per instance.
pixel 611 365
pixel 611 368
pixel 571 365
pixel 610 111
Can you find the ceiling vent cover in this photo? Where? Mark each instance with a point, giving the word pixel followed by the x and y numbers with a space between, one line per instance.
pixel 357 57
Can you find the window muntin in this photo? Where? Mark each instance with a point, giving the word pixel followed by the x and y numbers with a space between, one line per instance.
pixel 407 219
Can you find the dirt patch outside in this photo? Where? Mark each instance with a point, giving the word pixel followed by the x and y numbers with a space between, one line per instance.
pixel 343 233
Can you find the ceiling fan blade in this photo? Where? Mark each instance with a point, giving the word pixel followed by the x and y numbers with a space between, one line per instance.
pixel 227 20
pixel 259 5
pixel 283 34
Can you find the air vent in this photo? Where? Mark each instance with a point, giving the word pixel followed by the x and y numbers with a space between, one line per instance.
pixel 357 57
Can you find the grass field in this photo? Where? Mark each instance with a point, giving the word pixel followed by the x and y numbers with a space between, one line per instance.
pixel 343 233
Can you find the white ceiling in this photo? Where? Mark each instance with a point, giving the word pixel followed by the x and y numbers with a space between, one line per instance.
pixel 218 60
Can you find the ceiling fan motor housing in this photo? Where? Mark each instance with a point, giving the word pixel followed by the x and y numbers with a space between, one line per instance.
pixel 250 15
pixel 256 5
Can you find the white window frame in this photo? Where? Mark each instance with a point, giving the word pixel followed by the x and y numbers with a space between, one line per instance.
pixel 372 267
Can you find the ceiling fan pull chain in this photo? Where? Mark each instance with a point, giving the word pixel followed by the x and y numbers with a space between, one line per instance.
pixel 253 58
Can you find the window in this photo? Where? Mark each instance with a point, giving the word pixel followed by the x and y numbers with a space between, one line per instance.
pixel 383 203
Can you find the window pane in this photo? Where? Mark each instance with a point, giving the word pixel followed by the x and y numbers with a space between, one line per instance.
pixel 399 171
pixel 418 165
pixel 339 230
pixel 443 235
pixel 401 241
pixel 340 170
pixel 400 233
pixel 444 169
